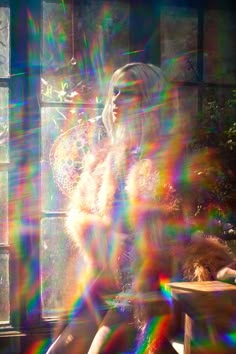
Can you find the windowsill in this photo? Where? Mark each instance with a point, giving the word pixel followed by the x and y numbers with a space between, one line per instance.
pixel 43 328
pixel 13 333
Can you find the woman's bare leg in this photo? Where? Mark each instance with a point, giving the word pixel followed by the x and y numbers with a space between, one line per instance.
pixel 115 335
pixel 76 338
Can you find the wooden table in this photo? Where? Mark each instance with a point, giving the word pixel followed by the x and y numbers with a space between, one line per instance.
pixel 210 316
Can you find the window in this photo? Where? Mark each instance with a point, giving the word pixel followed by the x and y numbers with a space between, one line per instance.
pixel 55 64
pixel 82 43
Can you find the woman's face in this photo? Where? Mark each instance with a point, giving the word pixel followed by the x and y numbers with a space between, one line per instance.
pixel 126 111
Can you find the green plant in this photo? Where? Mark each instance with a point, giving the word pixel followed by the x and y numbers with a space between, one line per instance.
pixel 214 143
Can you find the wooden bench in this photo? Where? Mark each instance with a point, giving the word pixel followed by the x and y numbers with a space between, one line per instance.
pixel 210 316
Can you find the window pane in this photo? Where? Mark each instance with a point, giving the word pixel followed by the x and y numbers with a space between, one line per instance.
pixel 67 134
pixel 3 207
pixel 81 46
pixel 4 124
pixel 219 47
pixel 4 288
pixel 54 252
pixel 179 43
pixel 4 41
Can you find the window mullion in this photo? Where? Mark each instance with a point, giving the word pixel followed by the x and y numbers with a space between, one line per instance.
pixel 31 209
pixel 23 198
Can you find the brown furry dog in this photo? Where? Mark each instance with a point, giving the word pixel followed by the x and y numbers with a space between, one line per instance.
pixel 204 257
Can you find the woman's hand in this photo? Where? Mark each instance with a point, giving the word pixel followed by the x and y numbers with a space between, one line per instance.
pixel 227 273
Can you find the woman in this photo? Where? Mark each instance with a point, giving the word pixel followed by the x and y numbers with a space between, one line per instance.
pixel 129 221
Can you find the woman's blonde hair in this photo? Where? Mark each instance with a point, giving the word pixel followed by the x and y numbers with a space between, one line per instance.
pixel 159 104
